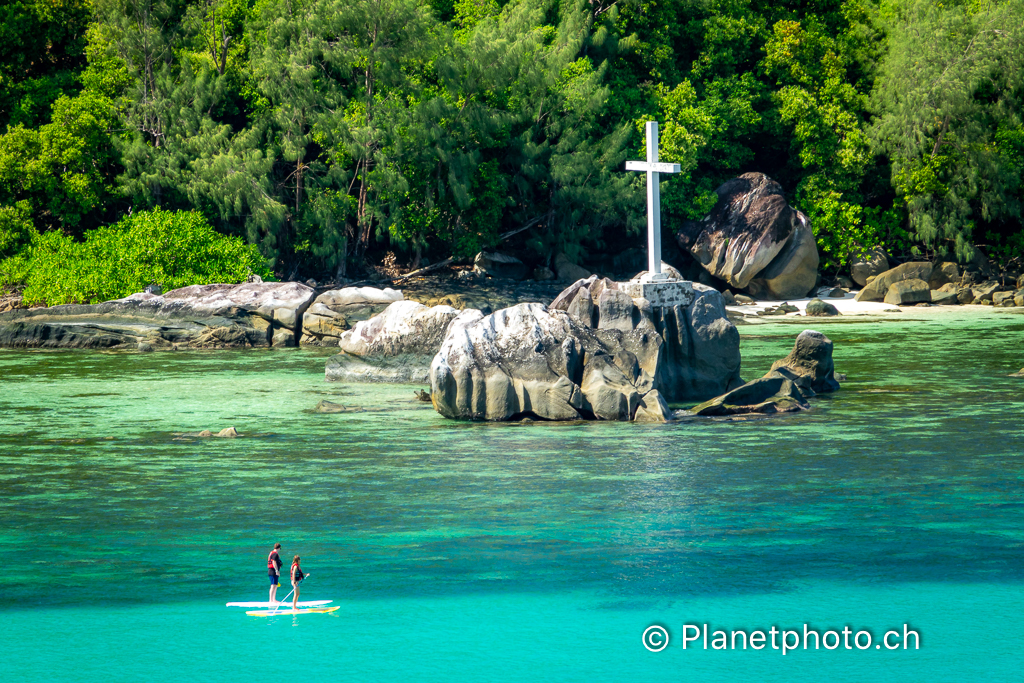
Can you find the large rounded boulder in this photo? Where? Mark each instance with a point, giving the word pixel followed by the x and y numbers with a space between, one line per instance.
pixel 595 353
pixel 754 239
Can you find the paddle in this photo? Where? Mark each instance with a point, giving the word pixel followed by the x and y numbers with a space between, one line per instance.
pixel 276 607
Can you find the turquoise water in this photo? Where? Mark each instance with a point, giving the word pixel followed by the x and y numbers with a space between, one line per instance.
pixel 509 552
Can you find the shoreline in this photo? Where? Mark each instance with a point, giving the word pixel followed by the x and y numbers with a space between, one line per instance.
pixel 848 307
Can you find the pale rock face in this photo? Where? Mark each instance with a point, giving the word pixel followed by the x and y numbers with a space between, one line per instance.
pixel 396 345
pixel 749 227
pixel 337 310
pixel 403 326
pixel 498 366
pixel 250 314
pixel 282 303
pixel 586 359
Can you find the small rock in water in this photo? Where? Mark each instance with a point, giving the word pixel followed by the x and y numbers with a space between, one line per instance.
pixel 205 432
pixel 840 376
pixel 787 307
pixel 743 299
pixel 1018 374
pixel 421 395
pixel 227 432
pixel 145 347
pixel 728 297
pixel 329 407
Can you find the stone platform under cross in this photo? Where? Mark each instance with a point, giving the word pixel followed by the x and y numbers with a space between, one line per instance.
pixel 654 285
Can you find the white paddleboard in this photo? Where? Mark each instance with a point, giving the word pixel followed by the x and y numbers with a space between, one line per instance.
pixel 279 612
pixel 282 605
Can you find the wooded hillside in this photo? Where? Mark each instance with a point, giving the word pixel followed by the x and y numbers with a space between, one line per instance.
pixel 330 132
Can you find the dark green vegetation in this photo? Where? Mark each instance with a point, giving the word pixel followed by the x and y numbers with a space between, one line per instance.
pixel 328 132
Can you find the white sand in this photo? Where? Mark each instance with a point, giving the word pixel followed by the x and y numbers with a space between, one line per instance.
pixel 848 307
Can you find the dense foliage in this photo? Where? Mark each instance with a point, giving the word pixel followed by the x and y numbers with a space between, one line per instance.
pixel 175 249
pixel 327 132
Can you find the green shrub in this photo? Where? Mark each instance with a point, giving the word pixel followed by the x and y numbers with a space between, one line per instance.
pixel 16 229
pixel 169 248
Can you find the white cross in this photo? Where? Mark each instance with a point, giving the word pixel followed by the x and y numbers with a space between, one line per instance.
pixel 654 169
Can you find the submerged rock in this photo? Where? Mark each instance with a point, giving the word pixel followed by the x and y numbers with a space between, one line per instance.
pixel 754 238
pixel 773 393
pixel 811 357
pixel 806 371
pixel 250 314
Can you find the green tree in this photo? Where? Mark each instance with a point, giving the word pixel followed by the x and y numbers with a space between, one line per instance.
pixel 42 45
pixel 949 84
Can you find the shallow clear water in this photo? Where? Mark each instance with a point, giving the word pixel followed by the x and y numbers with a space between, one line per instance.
pixel 478 552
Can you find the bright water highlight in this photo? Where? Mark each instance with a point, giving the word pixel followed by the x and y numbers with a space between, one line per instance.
pixel 512 552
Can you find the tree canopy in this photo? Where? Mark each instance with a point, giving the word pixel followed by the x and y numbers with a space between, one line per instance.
pixel 328 132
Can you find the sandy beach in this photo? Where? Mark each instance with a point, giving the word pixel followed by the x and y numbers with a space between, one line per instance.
pixel 847 306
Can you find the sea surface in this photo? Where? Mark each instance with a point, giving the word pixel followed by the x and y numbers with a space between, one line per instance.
pixel 515 552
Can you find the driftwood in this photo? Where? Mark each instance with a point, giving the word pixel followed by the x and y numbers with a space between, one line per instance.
pixel 447 262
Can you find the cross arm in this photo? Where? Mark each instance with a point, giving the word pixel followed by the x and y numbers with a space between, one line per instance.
pixel 655 166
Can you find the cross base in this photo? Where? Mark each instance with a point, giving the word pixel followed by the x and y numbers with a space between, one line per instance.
pixel 660 292
pixel 654 277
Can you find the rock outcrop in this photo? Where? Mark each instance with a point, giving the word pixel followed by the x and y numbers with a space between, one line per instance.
pixel 495 264
pixel 595 353
pixel 868 264
pixel 906 292
pixel 819 308
pixel 807 370
pixel 876 289
pixel 338 310
pixel 216 315
pixel 568 271
pixel 396 345
pixel 754 239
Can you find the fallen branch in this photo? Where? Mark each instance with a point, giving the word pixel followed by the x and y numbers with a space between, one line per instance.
pixel 448 261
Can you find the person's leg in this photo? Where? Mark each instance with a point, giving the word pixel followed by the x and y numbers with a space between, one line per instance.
pixel 273 589
pixel 295 600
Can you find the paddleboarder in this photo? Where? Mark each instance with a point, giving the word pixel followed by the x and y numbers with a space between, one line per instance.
pixel 274 564
pixel 297 577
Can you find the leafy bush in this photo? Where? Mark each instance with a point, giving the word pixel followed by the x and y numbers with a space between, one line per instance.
pixel 170 248
pixel 16 229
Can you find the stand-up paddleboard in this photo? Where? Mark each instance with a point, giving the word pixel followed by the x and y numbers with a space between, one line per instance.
pixel 308 603
pixel 277 612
